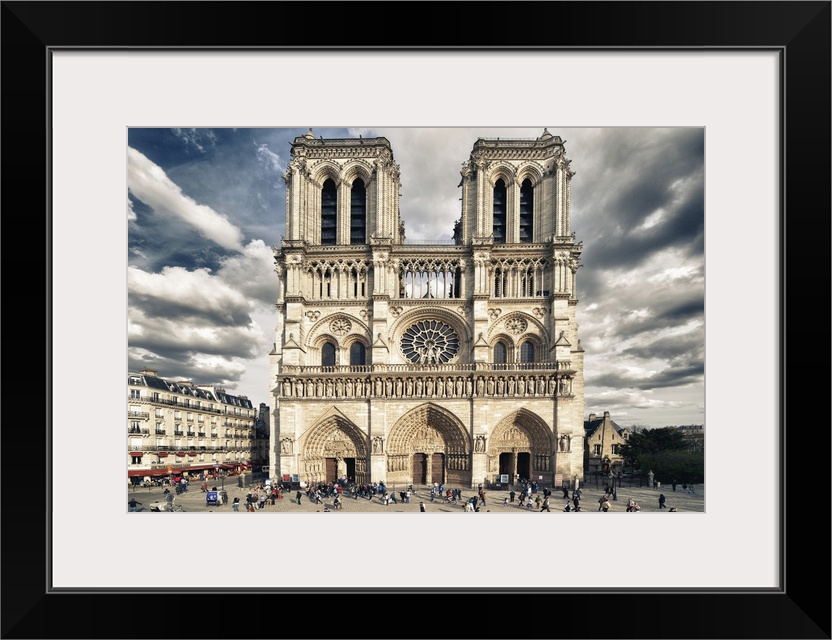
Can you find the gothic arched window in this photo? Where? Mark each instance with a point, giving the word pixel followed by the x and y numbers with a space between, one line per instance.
pixel 358 213
pixel 328 355
pixel 329 212
pixel 500 207
pixel 499 353
pixel 358 354
pixel 527 351
pixel 526 211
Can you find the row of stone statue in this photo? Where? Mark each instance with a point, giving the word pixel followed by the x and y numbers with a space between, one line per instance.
pixel 418 386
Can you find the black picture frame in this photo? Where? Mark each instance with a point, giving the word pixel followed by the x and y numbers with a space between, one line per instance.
pixel 800 31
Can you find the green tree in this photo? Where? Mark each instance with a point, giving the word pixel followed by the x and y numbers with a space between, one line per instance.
pixel 666 453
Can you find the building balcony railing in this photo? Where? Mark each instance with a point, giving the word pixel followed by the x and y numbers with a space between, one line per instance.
pixel 190 418
pixel 186 448
pixel 160 432
pixel 144 432
pixel 179 433
pixel 190 434
pixel 421 368
pixel 174 402
pixel 201 434
pixel 142 415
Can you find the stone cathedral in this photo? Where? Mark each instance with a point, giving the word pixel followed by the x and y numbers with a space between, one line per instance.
pixel 413 363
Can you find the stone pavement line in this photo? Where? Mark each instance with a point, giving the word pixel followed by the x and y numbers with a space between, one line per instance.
pixel 193 501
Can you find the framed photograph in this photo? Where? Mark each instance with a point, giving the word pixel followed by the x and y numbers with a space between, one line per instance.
pixel 755 76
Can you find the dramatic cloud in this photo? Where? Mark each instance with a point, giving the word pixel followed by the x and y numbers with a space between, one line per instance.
pixel 148 182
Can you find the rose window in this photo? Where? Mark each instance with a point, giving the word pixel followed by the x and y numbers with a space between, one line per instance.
pixel 340 326
pixel 516 325
pixel 430 342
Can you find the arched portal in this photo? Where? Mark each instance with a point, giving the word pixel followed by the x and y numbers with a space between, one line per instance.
pixel 334 449
pixel 426 445
pixel 522 447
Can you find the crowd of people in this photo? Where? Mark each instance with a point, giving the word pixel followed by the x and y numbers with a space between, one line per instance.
pixel 526 495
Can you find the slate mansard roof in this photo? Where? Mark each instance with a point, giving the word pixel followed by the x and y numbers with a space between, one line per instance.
pixel 147 379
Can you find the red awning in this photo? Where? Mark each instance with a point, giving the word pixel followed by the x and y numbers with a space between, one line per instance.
pixel 137 453
pixel 132 473
pixel 162 454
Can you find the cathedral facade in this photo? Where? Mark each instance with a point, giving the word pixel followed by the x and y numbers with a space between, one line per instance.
pixel 414 363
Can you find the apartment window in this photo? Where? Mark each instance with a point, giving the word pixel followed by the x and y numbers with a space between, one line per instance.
pixel 135 394
pixel 615 449
pixel 358 213
pixel 135 459
pixel 135 426
pixel 329 212
pixel 500 208
pixel 596 449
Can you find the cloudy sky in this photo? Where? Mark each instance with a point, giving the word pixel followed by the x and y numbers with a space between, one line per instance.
pixel 206 206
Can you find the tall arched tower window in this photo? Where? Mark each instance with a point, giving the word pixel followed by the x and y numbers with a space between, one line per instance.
pixel 499 353
pixel 357 354
pixel 500 207
pixel 358 213
pixel 527 352
pixel 526 211
pixel 329 212
pixel 328 355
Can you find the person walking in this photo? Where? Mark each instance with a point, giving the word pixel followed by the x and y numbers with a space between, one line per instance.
pixel 298 497
pixel 662 500
pixel 422 506
pixel 674 484
pixel 511 495
pixel 133 504
pixel 565 493
pixel 605 506
pixel 545 505
pixel 235 504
